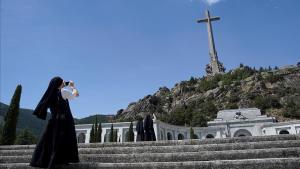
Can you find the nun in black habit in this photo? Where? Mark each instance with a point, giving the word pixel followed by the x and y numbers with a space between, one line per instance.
pixel 149 130
pixel 140 129
pixel 58 143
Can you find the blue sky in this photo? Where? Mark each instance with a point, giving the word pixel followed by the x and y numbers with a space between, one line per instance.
pixel 118 51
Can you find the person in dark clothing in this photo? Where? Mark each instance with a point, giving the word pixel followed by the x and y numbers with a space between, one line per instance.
pixel 140 130
pixel 58 143
pixel 152 133
pixel 149 130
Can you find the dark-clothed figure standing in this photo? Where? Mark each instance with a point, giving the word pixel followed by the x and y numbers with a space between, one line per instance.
pixel 58 143
pixel 152 133
pixel 149 130
pixel 140 130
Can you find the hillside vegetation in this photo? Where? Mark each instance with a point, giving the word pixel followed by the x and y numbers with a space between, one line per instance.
pixel 196 101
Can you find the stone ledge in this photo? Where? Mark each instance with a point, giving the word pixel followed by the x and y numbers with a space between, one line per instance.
pixel 173 142
pixel 271 163
pixel 172 149
pixel 175 157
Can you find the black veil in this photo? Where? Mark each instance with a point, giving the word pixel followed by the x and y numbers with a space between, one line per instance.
pixel 52 90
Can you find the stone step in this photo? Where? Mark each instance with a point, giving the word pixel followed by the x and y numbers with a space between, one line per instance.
pixel 271 163
pixel 173 142
pixel 172 149
pixel 175 157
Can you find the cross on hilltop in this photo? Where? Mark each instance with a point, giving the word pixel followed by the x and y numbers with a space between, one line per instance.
pixel 215 66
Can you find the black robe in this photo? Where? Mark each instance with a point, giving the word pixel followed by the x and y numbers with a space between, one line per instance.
pixel 140 131
pixel 149 130
pixel 58 143
pixel 152 132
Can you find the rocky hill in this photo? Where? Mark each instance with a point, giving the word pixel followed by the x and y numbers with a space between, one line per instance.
pixel 196 101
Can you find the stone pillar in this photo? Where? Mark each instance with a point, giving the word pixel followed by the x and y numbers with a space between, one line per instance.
pixel 121 134
pixel 103 135
pixel 87 136
pixel 293 129
pixel 156 131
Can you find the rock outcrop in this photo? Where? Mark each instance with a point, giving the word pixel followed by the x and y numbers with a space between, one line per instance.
pixel 274 91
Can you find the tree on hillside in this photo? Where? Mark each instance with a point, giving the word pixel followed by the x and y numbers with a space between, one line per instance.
pixel 193 80
pixel 96 129
pixel 192 134
pixel 111 134
pixel 25 138
pixel 115 136
pixel 99 133
pixel 207 112
pixel 269 68
pixel 261 69
pixel 292 110
pixel 92 135
pixel 130 134
pixel 11 118
pixel 1 128
pixel 199 119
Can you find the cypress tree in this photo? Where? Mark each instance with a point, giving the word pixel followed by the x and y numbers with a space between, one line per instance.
pixel 261 69
pixel 92 135
pixel 192 134
pixel 11 118
pixel 95 130
pixel 1 128
pixel 111 134
pixel 130 134
pixel 115 139
pixel 99 130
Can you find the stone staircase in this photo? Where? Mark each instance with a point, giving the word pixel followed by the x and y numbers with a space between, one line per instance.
pixel 264 152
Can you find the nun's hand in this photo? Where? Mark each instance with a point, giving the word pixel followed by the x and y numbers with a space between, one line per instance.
pixel 72 83
pixel 76 93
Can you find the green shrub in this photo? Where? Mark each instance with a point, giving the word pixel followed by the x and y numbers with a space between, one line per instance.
pixel 196 114
pixel 192 134
pixel 251 96
pixel 227 78
pixel 192 80
pixel 292 110
pixel 25 138
pixel 234 98
pixel 237 75
pixel 199 119
pixel 273 78
pixel 206 85
pixel 177 117
pixel 243 73
pixel 264 103
pixel 231 106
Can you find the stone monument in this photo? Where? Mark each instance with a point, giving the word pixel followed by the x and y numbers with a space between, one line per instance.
pixel 215 66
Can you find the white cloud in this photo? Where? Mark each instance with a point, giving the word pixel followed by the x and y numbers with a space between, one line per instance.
pixel 211 2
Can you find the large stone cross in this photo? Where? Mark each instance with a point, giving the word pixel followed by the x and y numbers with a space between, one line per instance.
pixel 215 66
